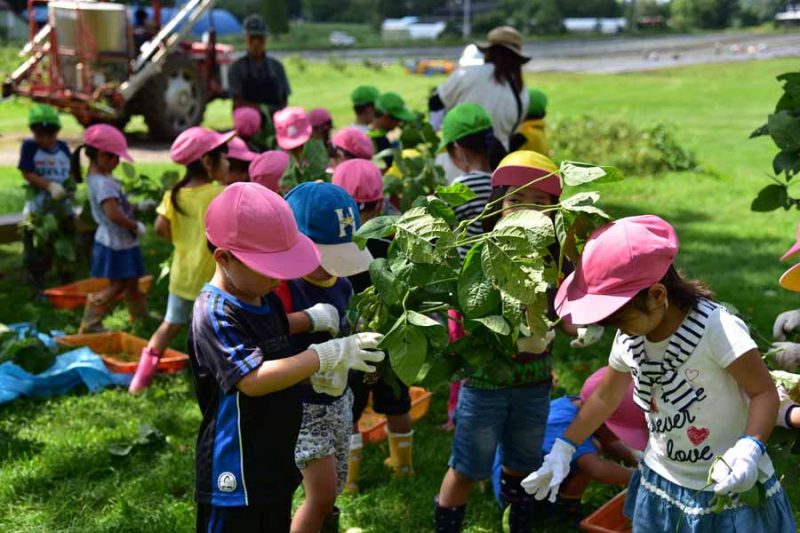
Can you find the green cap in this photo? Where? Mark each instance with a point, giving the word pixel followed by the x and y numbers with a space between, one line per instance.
pixel 463 120
pixel 364 94
pixel 393 105
pixel 538 103
pixel 44 114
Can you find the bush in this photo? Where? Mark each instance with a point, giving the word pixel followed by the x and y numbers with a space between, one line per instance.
pixel 633 150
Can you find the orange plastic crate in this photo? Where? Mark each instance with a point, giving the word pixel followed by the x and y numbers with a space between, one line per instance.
pixel 109 346
pixel 74 294
pixel 373 426
pixel 608 518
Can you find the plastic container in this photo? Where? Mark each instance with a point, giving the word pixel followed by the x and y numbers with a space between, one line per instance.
pixel 373 425
pixel 608 518
pixel 120 351
pixel 73 295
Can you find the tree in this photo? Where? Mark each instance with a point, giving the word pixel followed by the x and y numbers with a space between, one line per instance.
pixel 548 18
pixel 276 15
pixel 711 14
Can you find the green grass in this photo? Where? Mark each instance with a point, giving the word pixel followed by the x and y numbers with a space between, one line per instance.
pixel 55 472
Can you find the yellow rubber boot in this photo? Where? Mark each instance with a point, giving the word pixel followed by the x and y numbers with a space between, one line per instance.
pixel 94 312
pixel 354 464
pixel 400 454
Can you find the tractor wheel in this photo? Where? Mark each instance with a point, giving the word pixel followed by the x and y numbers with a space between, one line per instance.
pixel 173 100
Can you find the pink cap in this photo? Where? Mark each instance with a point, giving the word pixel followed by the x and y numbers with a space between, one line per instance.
pixel 354 141
pixel 268 168
pixel 107 138
pixel 627 421
pixel 361 179
pixel 619 260
pixel 246 121
pixel 319 117
pixel 794 249
pixel 238 149
pixel 292 127
pixel 258 227
pixel 194 143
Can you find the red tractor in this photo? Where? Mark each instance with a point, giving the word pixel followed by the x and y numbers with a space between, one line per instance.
pixel 84 60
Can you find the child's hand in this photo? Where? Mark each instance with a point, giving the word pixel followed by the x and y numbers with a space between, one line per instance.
pixel 544 482
pixel 737 470
pixel 141 229
pixel 349 352
pixel 56 190
pixel 587 336
pixel 323 317
pixel 786 322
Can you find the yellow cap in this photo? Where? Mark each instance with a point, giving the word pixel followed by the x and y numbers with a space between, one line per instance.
pixel 790 280
pixel 524 166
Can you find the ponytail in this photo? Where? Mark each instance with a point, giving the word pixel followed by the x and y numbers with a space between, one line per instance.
pixel 195 169
pixel 75 161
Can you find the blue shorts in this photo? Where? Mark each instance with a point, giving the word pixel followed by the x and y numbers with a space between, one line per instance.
pixel 513 418
pixel 656 504
pixel 179 310
pixel 116 264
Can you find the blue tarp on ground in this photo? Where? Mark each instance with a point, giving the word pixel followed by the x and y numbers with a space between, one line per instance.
pixel 81 366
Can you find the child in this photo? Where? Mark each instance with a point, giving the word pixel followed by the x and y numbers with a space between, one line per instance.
pixel 321 125
pixel 44 162
pixel 293 130
pixel 327 215
pixel 787 354
pixel 512 413
pixel 363 98
pixel 697 375
pixel 351 143
pixel 239 159
pixel 362 180
pixel 245 367
pixel 115 254
pixel 390 112
pixel 180 222
pixel 532 134
pixel 247 123
pixel 268 168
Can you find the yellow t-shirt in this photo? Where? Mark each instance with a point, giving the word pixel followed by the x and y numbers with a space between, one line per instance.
pixel 192 264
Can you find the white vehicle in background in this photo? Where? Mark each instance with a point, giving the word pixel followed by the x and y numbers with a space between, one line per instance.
pixel 341 38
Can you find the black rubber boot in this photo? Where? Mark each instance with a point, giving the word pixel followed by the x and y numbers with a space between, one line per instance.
pixel 331 523
pixel 448 519
pixel 520 519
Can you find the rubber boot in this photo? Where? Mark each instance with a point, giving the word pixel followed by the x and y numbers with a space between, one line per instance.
pixel 145 370
pixel 447 519
pixel 331 522
pixel 94 312
pixel 354 463
pixel 137 306
pixel 570 511
pixel 400 454
pixel 520 517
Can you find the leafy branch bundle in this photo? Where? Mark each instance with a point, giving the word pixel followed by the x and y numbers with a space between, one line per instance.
pixel 52 227
pixel 498 288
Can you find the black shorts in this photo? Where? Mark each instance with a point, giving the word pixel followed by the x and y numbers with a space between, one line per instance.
pixel 384 399
pixel 266 518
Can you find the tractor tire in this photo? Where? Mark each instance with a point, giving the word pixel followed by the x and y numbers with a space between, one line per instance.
pixel 173 100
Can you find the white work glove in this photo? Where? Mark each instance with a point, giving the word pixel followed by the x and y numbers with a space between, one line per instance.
pixel 786 322
pixel 333 382
pixel 787 355
pixel 544 482
pixel 738 470
pixel 587 335
pixel 56 190
pixel 349 353
pixel 141 229
pixel 146 205
pixel 535 344
pixel 323 317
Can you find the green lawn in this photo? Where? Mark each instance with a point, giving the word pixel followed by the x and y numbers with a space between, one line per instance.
pixel 55 472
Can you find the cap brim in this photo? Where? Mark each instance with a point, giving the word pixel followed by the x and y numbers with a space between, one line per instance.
pixel 517 176
pixel 791 251
pixel 635 438
pixel 291 143
pixel 344 259
pixel 298 261
pixel 790 280
pixel 582 308
pixel 404 115
pixel 483 46
pixel 126 156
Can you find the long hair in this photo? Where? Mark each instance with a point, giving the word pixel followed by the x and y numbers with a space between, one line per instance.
pixel 75 161
pixel 195 169
pixel 682 292
pixel 507 66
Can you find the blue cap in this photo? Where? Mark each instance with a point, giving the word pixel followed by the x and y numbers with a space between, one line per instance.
pixel 328 215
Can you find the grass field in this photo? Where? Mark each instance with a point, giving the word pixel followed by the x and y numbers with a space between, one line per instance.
pixel 56 473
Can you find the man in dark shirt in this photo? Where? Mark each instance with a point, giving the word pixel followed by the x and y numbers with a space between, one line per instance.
pixel 256 78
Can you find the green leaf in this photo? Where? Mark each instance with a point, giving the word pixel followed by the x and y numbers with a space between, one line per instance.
pixel 315 159
pixel 385 283
pixel 784 130
pixel 576 174
pixel 456 194
pixel 788 162
pixel 439 208
pixel 437 371
pixel 513 313
pixel 533 226
pixel 419 235
pixel 120 450
pixel 494 323
pixel 769 198
pixel 128 170
pixel 64 248
pixel 477 295
pixel 751 498
pixel 584 202
pixel 423 321
pixel 521 278
pixel 407 347
pixel 375 228
pixel 758 132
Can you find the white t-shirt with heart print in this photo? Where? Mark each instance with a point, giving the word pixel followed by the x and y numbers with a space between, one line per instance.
pixel 683 444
